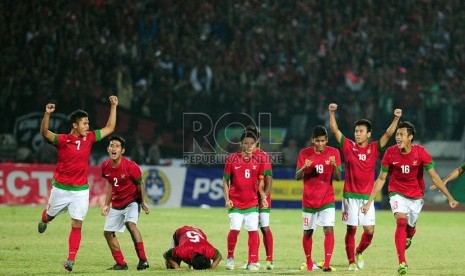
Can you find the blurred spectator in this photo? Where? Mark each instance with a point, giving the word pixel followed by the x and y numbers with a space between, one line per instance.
pixel 290 153
pixel 46 154
pixel 153 154
pixel 138 151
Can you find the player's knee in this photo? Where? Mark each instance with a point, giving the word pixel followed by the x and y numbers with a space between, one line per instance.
pixel 308 233
pixel 108 234
pixel 401 222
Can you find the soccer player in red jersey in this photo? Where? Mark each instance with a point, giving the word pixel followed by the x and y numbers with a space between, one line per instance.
pixel 241 185
pixel 190 245
pixel 70 191
pixel 316 165
pixel 360 161
pixel 264 213
pixel 125 193
pixel 404 163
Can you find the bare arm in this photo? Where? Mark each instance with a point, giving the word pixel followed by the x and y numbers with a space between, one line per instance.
pixel 379 183
pixel 44 126
pixel 141 188
pixel 168 255
pixel 337 173
pixel 106 207
pixel 440 185
pixel 453 175
pixel 300 173
pixel 217 260
pixel 111 123
pixel 333 124
pixel 228 202
pixel 268 183
pixel 261 191
pixel 391 129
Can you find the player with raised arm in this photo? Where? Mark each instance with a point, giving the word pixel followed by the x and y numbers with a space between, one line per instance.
pixel 404 163
pixel 242 181
pixel 70 191
pixel 360 163
pixel 124 199
pixel 190 245
pixel 316 165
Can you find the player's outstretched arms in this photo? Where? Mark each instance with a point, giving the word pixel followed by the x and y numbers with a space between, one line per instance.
pixel 437 181
pixel 452 176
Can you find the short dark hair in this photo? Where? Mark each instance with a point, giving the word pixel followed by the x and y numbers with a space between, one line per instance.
pixel 363 122
pixel 77 115
pixel 254 129
pixel 249 134
pixel 318 131
pixel 409 126
pixel 118 138
pixel 200 262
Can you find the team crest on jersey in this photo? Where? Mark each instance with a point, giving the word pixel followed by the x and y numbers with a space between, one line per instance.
pixel 415 162
pixel 368 151
pixel 123 176
pixel 254 167
pixel 327 162
pixel 157 186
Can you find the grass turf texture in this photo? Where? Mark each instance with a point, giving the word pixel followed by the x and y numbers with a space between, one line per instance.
pixel 436 249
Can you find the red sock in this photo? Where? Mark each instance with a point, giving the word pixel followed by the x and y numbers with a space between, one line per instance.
pixel 268 242
pixel 350 243
pixel 307 243
pixel 232 240
pixel 139 246
pixel 254 243
pixel 400 238
pixel 74 241
pixel 365 241
pixel 411 231
pixel 329 247
pixel 44 216
pixel 118 257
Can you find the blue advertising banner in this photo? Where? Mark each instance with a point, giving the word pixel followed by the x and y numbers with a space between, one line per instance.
pixel 203 187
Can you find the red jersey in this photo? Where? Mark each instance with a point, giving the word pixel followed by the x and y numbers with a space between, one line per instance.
pixel 124 180
pixel 406 170
pixel 73 160
pixel 267 170
pixel 189 240
pixel 318 183
pixel 360 165
pixel 243 175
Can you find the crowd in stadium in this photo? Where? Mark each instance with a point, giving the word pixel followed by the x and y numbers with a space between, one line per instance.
pixel 288 58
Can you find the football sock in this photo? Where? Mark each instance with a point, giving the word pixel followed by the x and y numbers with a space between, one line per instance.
pixel 74 241
pixel 329 247
pixel 365 241
pixel 350 244
pixel 307 243
pixel 232 240
pixel 411 231
pixel 268 242
pixel 118 257
pixel 44 216
pixel 400 238
pixel 139 246
pixel 254 243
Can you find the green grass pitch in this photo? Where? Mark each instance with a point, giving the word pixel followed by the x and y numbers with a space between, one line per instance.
pixel 437 248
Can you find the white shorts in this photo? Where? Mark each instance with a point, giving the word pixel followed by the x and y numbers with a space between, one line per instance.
pixel 250 221
pixel 352 213
pixel 264 219
pixel 325 217
pixel 116 219
pixel 76 202
pixel 411 207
